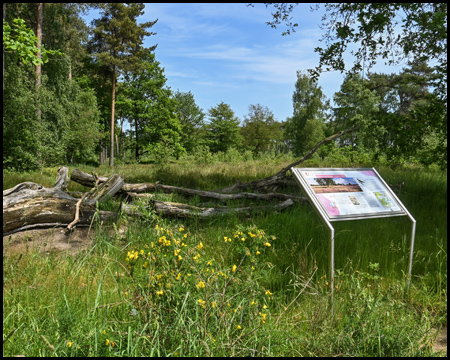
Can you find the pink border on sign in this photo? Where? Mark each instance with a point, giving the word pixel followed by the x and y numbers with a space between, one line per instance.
pixel 326 202
pixel 329 176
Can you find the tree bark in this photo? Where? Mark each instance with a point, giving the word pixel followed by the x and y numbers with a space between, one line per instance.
pixel 113 101
pixel 171 209
pixel 29 205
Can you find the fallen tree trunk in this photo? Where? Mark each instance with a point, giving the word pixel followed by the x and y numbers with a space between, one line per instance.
pixel 171 209
pixel 133 189
pixel 29 205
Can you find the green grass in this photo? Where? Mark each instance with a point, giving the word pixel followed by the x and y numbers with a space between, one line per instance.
pixel 105 302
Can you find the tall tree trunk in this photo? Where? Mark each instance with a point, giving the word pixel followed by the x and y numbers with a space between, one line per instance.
pixel 101 159
pixel 40 8
pixel 113 96
pixel 121 137
pixel 137 142
pixel 4 16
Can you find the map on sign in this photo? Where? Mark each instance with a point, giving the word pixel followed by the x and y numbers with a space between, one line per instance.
pixel 343 194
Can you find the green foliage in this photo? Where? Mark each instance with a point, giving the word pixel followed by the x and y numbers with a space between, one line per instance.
pixel 420 38
pixel 356 105
pixel 305 128
pixel 423 35
pixel 66 132
pixel 260 129
pixel 222 129
pixel 148 105
pixel 21 40
pixel 191 119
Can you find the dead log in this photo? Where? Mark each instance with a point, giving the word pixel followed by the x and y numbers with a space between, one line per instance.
pixel 86 179
pixel 29 205
pixel 171 209
pixel 62 180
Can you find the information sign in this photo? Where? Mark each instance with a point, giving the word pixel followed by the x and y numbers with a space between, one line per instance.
pixel 349 194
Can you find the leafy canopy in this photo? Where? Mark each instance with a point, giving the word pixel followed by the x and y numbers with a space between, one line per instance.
pixel 21 40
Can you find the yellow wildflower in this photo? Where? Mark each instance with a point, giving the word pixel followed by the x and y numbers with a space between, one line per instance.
pixel 200 284
pixel 69 344
pixel 181 229
pixel 257 253
pixel 239 327
pixel 107 342
pixel 180 258
pixel 268 293
pixel 209 262
pixel 200 245
pixel 145 265
pixel 234 268
pixel 160 292
pixel 267 244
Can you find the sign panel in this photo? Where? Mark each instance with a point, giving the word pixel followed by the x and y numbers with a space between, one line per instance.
pixel 349 194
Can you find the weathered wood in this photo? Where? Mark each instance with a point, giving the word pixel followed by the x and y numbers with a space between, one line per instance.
pixel 105 191
pixel 84 178
pixel 77 212
pixel 171 209
pixel 62 180
pixel 29 205
pixel 43 207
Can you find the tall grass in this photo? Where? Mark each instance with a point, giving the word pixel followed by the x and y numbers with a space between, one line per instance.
pixel 244 286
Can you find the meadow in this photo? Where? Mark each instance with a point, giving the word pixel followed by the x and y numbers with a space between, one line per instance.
pixel 234 285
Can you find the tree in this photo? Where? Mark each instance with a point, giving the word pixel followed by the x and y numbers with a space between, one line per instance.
pixel 356 105
pixel 223 128
pixel 393 32
pixel 147 103
pixel 259 129
pixel 117 42
pixel 411 119
pixel 191 118
pixel 306 126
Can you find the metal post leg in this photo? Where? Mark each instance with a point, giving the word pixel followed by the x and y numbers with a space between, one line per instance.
pixel 413 235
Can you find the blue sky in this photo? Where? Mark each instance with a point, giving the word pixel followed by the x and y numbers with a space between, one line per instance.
pixel 226 52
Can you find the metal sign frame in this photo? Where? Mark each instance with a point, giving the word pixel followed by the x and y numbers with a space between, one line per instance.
pixel 362 186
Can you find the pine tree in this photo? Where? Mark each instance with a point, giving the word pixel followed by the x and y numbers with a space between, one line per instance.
pixel 117 42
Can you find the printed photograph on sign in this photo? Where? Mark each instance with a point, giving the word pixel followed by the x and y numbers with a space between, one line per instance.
pixel 334 185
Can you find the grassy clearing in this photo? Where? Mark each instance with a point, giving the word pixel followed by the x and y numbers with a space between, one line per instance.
pixel 234 286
